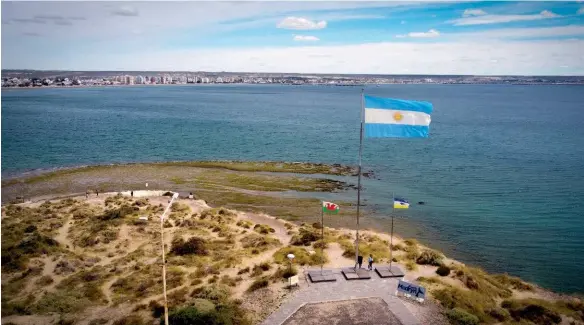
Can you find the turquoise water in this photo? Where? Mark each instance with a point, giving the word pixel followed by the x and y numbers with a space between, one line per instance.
pixel 502 174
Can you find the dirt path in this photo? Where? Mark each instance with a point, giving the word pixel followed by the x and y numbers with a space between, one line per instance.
pixel 63 233
pixel 106 289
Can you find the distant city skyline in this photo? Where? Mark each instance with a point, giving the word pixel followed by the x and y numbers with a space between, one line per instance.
pixel 393 38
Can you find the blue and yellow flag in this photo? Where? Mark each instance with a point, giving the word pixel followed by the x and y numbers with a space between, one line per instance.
pixel 396 118
pixel 400 204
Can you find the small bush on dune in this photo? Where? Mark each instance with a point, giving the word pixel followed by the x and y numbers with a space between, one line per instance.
pixel 499 314
pixel 316 225
pixel 179 207
pixel 156 308
pixel 513 282
pixel 430 257
pixel 533 310
pixel 258 284
pixel 45 280
pixel 130 320
pixel 263 229
pixel 259 242
pixel 319 244
pixel 225 314
pixel 215 293
pixel 458 316
pixel 244 224
pixel 443 270
pixel 301 256
pixel 411 266
pixel 242 271
pixel 118 213
pixel 411 242
pixel 284 273
pixel 304 238
pixel 193 246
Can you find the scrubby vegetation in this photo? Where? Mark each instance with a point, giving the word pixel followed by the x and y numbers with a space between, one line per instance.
pixel 443 270
pixel 103 257
pixel 192 246
pixel 305 237
pixel 263 229
pixel 258 284
pixel 301 256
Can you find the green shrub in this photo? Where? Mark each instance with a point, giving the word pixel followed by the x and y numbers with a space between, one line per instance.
pixel 15 257
pixel 304 238
pixel 443 270
pixel 320 244
pixel 215 293
pixel 265 266
pixel 513 282
pixel 193 246
pixel 533 310
pixel 458 316
pixel 258 284
pixel 471 301
pixel 156 308
pixel 430 257
pixel 44 280
pixel 263 229
pixel 98 321
pixel 259 242
pixel 242 271
pixel 285 273
pixel 227 314
pixel 411 266
pixel 499 314
pixel 118 213
pixel 411 242
pixel 130 320
pixel 301 256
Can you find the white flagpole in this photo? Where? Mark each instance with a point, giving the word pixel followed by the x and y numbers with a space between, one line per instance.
pixel 322 235
pixel 391 236
pixel 359 177
pixel 174 196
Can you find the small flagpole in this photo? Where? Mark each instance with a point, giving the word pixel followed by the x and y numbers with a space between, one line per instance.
pixel 391 236
pixel 359 177
pixel 322 235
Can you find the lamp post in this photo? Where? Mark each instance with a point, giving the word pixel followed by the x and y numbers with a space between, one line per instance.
pixel 174 196
pixel 290 258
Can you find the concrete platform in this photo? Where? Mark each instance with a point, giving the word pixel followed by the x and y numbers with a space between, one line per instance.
pixel 384 271
pixel 321 276
pixel 359 274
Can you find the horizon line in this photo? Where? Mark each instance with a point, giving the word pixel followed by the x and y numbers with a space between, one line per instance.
pixel 298 73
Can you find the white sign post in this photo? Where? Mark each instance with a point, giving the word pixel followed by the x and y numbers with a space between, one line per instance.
pixel 410 290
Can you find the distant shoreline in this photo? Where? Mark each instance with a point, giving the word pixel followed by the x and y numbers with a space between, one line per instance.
pixel 264 84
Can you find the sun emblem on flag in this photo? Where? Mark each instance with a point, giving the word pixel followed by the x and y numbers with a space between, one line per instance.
pixel 398 116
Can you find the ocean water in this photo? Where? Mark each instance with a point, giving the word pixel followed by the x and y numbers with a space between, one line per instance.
pixel 502 174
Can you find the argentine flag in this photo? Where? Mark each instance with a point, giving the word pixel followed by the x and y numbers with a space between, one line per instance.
pixel 396 118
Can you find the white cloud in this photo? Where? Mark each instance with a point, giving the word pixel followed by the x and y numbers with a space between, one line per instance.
pixel 299 23
pixel 339 17
pixel 125 11
pixel 580 11
pixel 306 38
pixel 496 19
pixel 468 57
pixel 519 33
pixel 429 34
pixel 473 13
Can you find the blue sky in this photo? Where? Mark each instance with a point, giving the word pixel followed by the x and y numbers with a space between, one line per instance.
pixel 389 37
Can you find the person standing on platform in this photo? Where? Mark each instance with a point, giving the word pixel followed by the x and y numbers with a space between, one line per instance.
pixel 370 267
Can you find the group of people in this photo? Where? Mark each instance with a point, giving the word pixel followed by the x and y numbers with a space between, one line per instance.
pixel 369 260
